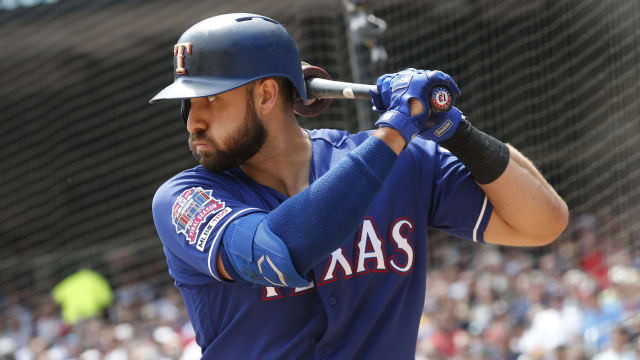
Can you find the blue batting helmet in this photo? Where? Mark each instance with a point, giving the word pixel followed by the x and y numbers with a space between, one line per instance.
pixel 227 51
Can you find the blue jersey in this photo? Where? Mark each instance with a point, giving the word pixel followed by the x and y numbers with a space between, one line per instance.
pixel 364 300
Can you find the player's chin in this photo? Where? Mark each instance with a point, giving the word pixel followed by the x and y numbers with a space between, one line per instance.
pixel 213 161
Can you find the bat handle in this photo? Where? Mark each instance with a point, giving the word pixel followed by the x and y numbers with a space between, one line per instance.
pixel 440 98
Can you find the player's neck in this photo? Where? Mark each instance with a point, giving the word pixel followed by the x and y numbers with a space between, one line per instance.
pixel 284 160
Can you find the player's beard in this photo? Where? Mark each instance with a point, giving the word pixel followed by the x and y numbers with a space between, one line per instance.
pixel 241 145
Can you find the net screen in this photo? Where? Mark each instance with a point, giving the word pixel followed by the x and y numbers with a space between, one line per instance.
pixel 83 152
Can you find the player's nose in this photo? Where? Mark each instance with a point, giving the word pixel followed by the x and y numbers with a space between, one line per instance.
pixel 196 121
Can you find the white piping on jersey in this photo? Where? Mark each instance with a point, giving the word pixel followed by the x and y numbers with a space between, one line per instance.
pixel 475 229
pixel 218 234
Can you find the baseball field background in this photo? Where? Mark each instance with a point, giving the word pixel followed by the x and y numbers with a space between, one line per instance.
pixel 83 153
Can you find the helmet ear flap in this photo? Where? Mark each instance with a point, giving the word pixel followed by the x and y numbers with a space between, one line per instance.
pixel 184 109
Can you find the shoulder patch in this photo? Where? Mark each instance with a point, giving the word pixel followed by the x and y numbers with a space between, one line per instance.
pixel 190 210
pixel 204 235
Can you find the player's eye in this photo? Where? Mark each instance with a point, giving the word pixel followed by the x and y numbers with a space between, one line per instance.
pixel 211 98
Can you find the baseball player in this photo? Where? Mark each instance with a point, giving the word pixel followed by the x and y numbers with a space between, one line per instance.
pixel 288 243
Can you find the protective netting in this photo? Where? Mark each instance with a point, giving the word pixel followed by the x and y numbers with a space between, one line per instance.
pixel 83 152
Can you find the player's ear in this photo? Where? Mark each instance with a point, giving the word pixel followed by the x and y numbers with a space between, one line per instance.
pixel 266 95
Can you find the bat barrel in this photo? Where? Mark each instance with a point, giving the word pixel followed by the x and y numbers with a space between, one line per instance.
pixel 318 88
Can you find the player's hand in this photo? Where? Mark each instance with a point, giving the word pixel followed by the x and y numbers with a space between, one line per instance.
pixel 382 98
pixel 403 87
pixel 442 125
pixel 400 88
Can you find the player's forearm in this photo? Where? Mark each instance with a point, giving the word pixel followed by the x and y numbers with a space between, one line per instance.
pixel 526 209
pixel 529 211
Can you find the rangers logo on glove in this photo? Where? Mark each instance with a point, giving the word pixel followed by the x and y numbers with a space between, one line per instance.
pixel 440 99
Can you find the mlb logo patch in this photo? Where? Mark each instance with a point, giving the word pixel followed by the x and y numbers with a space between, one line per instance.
pixel 190 210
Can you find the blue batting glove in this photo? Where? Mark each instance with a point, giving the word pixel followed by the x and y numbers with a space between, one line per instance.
pixel 442 125
pixel 382 98
pixel 404 87
pixel 399 88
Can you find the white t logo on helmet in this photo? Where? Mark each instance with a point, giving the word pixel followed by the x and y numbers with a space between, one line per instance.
pixel 178 52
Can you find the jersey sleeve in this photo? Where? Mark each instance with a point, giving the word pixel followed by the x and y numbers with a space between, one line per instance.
pixel 190 215
pixel 458 205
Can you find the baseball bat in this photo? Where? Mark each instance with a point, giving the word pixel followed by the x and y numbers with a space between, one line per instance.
pixel 317 88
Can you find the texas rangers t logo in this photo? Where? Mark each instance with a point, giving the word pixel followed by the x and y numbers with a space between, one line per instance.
pixel 178 52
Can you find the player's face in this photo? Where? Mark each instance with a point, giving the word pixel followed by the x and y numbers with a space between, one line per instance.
pixel 225 132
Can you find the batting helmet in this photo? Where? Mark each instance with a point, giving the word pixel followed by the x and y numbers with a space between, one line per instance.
pixel 227 51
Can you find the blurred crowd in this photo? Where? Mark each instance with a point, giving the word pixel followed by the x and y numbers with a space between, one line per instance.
pixel 141 324
pixel 578 298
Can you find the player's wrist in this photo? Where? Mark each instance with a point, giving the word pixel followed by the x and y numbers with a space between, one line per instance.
pixel 392 138
pixel 404 124
pixel 485 156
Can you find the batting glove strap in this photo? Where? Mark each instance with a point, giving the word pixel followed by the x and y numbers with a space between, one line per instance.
pixel 406 125
pixel 485 156
pixel 442 126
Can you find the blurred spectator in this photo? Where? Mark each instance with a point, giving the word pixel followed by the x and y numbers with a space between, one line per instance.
pixel 619 348
pixel 17 320
pixel 82 295
pixel 593 258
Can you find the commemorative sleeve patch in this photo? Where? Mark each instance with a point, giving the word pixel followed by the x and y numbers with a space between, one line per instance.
pixel 204 235
pixel 191 210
